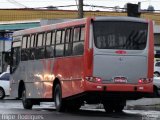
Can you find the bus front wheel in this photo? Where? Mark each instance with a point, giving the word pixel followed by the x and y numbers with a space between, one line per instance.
pixel 27 104
pixel 59 102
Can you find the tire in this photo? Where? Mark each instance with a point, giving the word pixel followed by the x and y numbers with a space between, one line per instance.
pixel 108 107
pixel 118 108
pixel 27 104
pixel 155 92
pixel 2 93
pixel 59 102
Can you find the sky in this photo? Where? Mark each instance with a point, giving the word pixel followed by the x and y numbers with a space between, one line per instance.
pixel 107 3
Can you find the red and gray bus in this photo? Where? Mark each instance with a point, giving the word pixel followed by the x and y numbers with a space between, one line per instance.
pixel 105 60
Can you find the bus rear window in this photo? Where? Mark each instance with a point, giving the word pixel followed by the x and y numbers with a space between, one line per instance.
pixel 120 35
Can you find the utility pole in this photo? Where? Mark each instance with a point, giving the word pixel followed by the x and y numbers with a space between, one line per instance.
pixel 80 9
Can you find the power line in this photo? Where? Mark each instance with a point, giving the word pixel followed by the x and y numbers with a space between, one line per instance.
pixel 17 3
pixel 85 5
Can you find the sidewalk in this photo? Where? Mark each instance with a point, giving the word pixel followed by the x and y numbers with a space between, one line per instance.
pixel 144 104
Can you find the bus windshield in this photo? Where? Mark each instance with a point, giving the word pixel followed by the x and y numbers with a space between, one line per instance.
pixel 120 35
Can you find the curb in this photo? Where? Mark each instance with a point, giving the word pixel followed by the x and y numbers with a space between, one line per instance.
pixel 142 107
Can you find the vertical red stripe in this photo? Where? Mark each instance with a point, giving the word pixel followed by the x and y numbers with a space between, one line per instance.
pixel 88 59
pixel 151 51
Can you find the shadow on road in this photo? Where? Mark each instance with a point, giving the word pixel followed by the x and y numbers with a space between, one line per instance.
pixel 98 114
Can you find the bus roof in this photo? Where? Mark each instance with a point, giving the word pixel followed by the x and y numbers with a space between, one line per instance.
pixel 74 23
pixel 50 27
pixel 121 18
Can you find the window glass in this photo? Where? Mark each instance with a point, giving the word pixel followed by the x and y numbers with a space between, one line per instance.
pixel 16 58
pixel 28 42
pixel 32 40
pixel 68 49
pixel 24 42
pixel 32 53
pixel 68 42
pixel 40 40
pixel 63 36
pixel 76 34
pixel 59 50
pixel 78 48
pixel 39 53
pixel 68 35
pixel 16 44
pixel 82 34
pixel 48 40
pixel 58 37
pixel 120 35
pixel 17 38
pixel 5 76
pixel 157 64
pixel 25 53
pixel 49 51
pixel 53 37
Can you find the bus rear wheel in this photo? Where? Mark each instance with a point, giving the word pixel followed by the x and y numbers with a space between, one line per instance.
pixel 27 104
pixel 118 108
pixel 59 102
pixel 114 106
pixel 108 107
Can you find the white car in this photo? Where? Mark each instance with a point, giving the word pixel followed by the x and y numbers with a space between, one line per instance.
pixel 4 84
pixel 156 83
pixel 157 68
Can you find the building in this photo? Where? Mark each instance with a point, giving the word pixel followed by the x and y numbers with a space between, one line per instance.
pixel 6 30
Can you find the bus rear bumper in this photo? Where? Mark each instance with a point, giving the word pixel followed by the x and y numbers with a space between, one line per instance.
pixel 138 88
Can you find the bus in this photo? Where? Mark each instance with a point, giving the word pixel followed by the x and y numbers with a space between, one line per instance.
pixel 93 60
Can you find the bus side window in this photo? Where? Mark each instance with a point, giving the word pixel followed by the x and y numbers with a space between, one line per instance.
pixel 40 49
pixel 28 52
pixel 24 54
pixel 32 49
pixel 16 57
pixel 78 41
pixel 68 42
pixel 59 47
pixel 49 46
pixel 28 42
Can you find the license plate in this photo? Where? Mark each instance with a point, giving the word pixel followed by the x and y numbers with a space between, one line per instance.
pixel 120 80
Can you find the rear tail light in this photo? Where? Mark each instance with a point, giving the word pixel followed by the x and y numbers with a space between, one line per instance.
pixel 145 80
pixel 120 52
pixel 94 79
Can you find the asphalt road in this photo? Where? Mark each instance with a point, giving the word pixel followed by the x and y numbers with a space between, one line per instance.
pixel 13 110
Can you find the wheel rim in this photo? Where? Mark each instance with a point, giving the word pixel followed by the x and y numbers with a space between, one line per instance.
pixel 1 93
pixel 23 97
pixel 57 99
